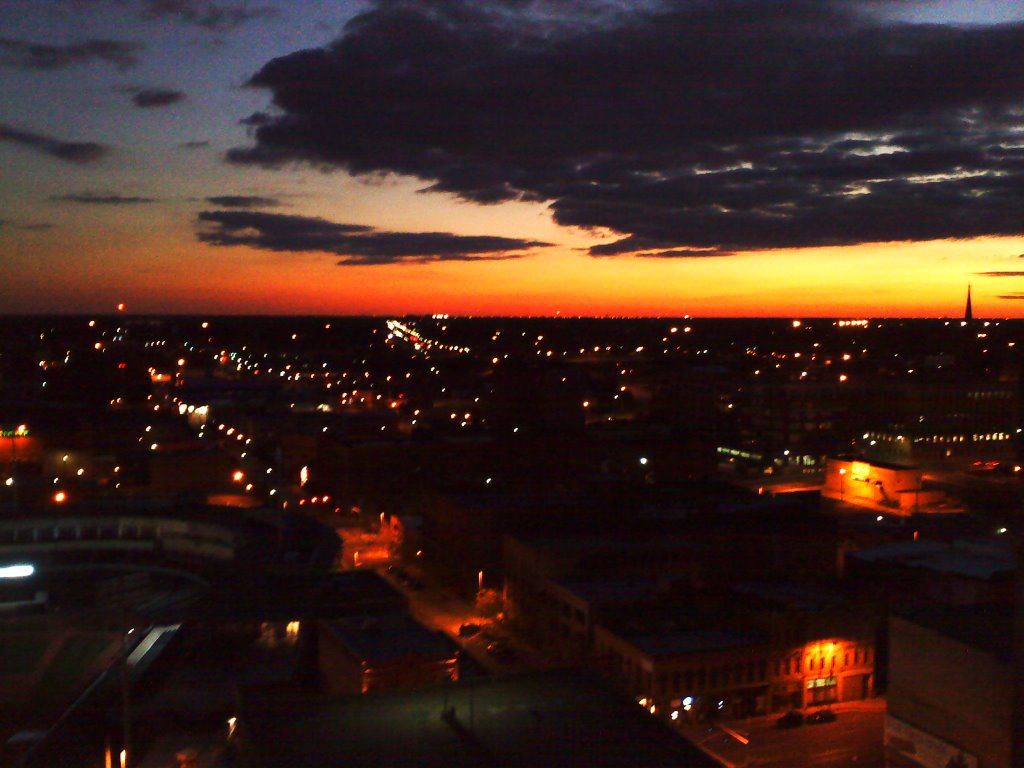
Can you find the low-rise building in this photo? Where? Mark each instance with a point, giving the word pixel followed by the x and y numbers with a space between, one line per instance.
pixel 896 487
pixel 713 672
pixel 384 651
pixel 950 698
pixel 556 717
pixel 960 572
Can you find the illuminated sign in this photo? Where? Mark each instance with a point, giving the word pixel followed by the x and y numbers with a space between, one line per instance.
pixel 20 431
pixel 821 682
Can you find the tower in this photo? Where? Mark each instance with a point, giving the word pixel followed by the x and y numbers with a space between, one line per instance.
pixel 968 314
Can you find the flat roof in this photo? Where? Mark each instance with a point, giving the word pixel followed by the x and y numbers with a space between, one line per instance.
pixel 610 590
pixel 988 626
pixel 875 462
pixel 352 591
pixel 796 596
pixel 976 558
pixel 558 717
pixel 386 637
pixel 693 641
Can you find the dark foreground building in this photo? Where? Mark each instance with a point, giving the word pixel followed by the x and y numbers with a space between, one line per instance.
pixel 552 718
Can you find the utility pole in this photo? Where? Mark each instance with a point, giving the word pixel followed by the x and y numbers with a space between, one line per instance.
pixel 126 719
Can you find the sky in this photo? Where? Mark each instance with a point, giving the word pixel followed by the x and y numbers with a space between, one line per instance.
pixel 853 158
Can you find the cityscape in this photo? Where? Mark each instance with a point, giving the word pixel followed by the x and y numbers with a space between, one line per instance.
pixel 227 541
pixel 511 383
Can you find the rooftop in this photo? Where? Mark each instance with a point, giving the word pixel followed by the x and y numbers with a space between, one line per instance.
pixel 988 627
pixel 610 590
pixel 971 558
pixel 386 637
pixel 693 641
pixel 549 718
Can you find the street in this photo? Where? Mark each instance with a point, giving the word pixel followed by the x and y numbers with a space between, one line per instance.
pixel 440 609
pixel 854 739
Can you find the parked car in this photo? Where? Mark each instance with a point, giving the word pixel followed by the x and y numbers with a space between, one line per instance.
pixel 791 719
pixel 822 716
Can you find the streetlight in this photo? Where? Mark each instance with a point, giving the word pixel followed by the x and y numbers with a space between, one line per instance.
pixel 842 483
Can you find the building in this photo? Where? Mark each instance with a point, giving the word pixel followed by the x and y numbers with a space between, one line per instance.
pixel 943 414
pixel 898 488
pixel 384 651
pixel 709 673
pixel 550 718
pixel 950 699
pixel 960 572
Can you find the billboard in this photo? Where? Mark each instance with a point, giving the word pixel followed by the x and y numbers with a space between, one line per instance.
pixel 910 747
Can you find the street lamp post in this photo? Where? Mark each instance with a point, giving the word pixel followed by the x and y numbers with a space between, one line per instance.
pixel 842 484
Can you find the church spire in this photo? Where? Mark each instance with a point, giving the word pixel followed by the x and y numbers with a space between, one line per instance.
pixel 968 314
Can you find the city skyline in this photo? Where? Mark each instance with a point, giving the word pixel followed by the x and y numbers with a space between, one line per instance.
pixel 745 158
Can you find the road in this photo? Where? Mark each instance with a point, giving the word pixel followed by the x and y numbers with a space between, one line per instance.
pixel 854 739
pixel 440 609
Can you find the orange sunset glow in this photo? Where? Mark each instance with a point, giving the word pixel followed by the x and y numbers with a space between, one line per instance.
pixel 178 167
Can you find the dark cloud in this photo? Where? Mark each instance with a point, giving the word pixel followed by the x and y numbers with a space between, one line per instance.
pixel 243 201
pixel 683 253
pixel 81 152
pixel 692 127
pixel 156 97
pixel 98 198
pixel 256 118
pixel 214 16
pixel 1012 296
pixel 638 246
pixel 194 144
pixel 30 227
pixel 356 244
pixel 1000 274
pixel 22 54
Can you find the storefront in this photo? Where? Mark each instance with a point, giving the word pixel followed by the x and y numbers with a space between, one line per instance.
pixel 822 690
